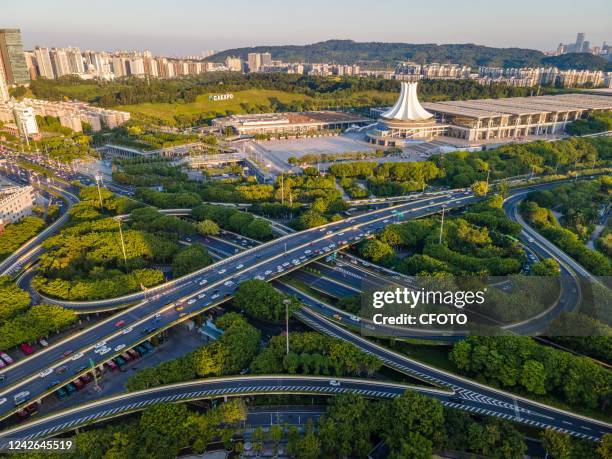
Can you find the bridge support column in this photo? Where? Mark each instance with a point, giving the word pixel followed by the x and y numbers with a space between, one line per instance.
pixel 225 398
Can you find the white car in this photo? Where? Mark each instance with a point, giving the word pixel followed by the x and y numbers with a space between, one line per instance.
pixel 334 383
pixel 386 221
pixel 280 270
pixel 100 344
pixel 119 347
pixel 259 278
pixel 2 400
pixel 530 239
pixel 215 296
pixel 268 272
pixel 355 319
pixel 240 266
pixel 191 301
pixel 285 264
pixel 203 282
pixel 127 330
pixel 104 350
pixel 76 356
pixel 308 251
pixel 229 283
pixel 45 373
pixel 221 271
pixel 201 295
pixel 329 232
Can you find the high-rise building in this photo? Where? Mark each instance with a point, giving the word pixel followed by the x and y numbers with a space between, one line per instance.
pixel 31 63
pixel 137 67
pixel 75 60
pixel 254 62
pixel 43 61
pixel 579 42
pixel 4 93
pixel 13 60
pixel 586 46
pixel 234 64
pixel 266 59
pixel 60 62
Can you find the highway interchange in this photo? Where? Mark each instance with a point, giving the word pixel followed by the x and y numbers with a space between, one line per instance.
pixel 271 260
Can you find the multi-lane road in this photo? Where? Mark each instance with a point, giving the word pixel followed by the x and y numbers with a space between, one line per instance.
pixel 210 388
pixel 201 289
pixel 69 358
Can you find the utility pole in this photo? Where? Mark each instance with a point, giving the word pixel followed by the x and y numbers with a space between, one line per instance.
pixel 122 244
pixel 442 224
pixel 287 302
pixel 98 178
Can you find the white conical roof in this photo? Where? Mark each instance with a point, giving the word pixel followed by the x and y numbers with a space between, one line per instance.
pixel 407 107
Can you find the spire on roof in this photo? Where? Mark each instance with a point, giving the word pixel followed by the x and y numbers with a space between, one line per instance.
pixel 407 107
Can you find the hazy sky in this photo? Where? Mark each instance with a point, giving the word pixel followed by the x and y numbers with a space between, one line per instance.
pixel 191 26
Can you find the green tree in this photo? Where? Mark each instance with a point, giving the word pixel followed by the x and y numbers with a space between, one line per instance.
pixel 207 228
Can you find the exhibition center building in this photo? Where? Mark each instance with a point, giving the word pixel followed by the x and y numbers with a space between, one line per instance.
pixel 480 120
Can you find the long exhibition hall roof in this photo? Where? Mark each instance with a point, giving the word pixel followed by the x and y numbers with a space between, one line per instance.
pixel 407 107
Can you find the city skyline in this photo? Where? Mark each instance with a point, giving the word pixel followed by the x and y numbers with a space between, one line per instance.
pixel 171 32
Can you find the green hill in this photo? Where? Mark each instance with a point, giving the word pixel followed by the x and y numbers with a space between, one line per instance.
pixel 377 54
pixel 578 61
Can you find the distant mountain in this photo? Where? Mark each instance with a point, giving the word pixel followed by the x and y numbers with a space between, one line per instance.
pixel 383 54
pixel 579 61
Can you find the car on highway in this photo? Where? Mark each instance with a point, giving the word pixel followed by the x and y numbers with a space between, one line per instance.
pixel 530 239
pixel 268 272
pixel 200 296
pixel 240 266
pixel 45 373
pixel 334 383
pixel 191 301
pixel 221 271
pixel 203 282
pixel 180 307
pixel 100 344
pixel 2 400
pixel 215 296
pixel 121 323
pixel 228 283
pixel 104 350
pixel 43 342
pixel 127 330
pixel 119 347
pixel 21 397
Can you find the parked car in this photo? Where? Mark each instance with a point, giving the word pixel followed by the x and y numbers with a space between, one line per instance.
pixel 70 388
pixel 7 358
pixel 78 384
pixel 25 347
pixel 111 365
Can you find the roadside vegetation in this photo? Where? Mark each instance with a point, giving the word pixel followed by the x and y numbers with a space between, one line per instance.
pixel 579 205
pixel 21 323
pixel 85 261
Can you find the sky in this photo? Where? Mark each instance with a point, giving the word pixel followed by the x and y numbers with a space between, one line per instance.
pixel 183 27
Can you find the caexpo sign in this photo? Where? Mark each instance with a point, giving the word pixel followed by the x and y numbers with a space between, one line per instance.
pixel 218 97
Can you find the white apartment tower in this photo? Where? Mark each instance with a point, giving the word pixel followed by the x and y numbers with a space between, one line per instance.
pixel 43 60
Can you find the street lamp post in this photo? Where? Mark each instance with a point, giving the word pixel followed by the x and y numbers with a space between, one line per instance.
pixel 287 302
pixel 442 224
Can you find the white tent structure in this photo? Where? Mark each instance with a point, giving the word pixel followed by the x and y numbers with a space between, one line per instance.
pixel 407 107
